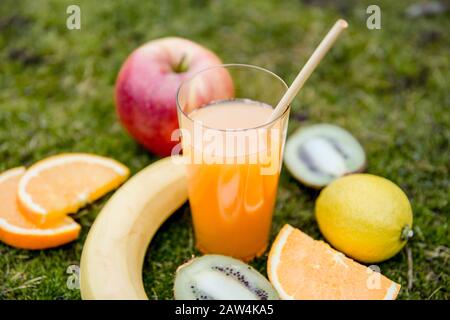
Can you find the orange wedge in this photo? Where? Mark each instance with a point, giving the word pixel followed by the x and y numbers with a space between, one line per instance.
pixel 305 269
pixel 62 184
pixel 17 231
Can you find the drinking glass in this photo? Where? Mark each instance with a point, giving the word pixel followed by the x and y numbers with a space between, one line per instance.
pixel 232 172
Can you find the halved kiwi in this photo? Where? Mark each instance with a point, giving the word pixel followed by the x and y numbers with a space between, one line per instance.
pixel 217 277
pixel 318 154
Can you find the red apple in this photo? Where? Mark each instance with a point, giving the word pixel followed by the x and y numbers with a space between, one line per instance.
pixel 147 84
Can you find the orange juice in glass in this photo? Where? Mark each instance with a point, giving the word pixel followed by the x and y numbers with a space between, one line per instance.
pixel 233 156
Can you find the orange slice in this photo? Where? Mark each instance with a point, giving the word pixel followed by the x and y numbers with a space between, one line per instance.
pixel 62 184
pixel 17 231
pixel 302 268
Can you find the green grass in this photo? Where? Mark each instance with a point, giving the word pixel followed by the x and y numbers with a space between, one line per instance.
pixel 389 87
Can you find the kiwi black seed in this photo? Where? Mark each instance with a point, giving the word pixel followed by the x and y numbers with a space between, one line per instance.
pixel 318 154
pixel 216 277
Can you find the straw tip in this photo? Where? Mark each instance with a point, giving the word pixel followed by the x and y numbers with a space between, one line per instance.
pixel 343 23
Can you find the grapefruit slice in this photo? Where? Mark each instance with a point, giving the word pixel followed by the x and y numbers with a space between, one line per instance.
pixel 305 269
pixel 62 184
pixel 17 231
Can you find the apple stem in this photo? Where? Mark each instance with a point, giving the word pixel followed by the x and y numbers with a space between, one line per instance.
pixel 182 65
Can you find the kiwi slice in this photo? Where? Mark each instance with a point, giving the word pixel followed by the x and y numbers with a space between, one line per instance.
pixel 318 154
pixel 217 277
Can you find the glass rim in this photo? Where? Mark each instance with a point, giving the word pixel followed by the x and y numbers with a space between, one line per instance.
pixel 228 65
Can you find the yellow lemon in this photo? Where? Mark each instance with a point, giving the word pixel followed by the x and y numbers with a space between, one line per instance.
pixel 367 217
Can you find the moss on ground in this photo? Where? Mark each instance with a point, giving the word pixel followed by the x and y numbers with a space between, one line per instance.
pixel 389 87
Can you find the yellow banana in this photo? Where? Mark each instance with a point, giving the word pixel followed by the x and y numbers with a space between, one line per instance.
pixel 113 255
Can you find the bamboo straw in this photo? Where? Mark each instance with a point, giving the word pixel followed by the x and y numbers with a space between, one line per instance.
pixel 308 68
